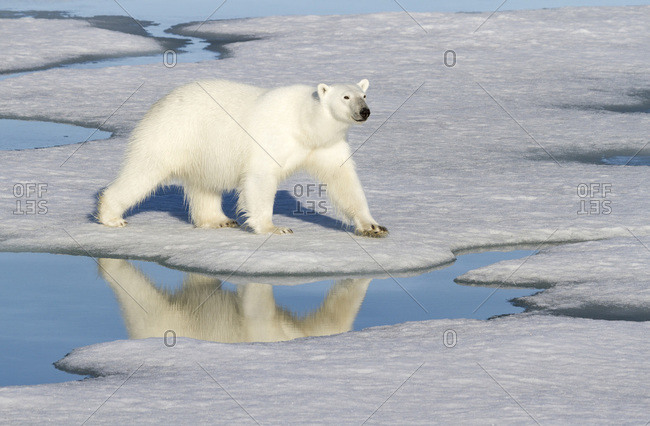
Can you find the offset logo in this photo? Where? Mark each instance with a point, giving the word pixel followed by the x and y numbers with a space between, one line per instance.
pixel 317 204
pixel 170 59
pixel 449 58
pixel 30 198
pixel 594 199
pixel 449 338
pixel 169 338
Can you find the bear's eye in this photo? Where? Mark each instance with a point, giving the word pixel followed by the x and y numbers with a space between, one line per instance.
pixel 364 96
pixel 346 97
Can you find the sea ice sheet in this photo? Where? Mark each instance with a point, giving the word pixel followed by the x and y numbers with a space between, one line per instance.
pixel 450 170
pixel 30 43
pixel 521 369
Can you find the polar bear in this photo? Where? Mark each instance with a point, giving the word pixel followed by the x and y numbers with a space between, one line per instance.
pixel 219 135
pixel 202 309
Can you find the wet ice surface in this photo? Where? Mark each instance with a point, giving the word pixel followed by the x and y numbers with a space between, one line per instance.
pixel 25 134
pixel 51 304
pixel 638 102
pixel 579 288
pixel 624 160
pixel 158 43
pixel 608 157
pixel 47 51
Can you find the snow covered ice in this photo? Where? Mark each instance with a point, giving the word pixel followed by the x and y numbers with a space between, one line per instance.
pixel 607 279
pixel 29 43
pixel 486 152
pixel 420 170
pixel 565 371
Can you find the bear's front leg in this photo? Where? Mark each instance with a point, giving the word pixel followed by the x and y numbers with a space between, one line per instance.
pixel 256 200
pixel 333 167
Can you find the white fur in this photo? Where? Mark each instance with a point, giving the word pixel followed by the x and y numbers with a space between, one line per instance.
pixel 218 135
pixel 201 309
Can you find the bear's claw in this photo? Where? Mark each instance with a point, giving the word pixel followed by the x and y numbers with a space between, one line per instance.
pixel 230 223
pixel 114 223
pixel 375 231
pixel 281 230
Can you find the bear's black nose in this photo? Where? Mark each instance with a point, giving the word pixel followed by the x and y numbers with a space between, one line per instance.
pixel 365 113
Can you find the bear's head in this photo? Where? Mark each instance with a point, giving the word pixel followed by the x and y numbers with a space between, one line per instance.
pixel 345 102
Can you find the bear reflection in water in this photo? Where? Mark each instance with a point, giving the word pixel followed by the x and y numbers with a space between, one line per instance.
pixel 202 309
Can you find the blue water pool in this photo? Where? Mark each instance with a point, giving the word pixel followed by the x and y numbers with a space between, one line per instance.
pixel 25 134
pixel 51 304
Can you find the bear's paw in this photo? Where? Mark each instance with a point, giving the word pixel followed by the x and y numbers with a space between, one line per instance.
pixel 374 231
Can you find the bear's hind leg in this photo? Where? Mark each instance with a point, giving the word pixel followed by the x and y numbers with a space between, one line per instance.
pixel 126 191
pixel 256 200
pixel 205 208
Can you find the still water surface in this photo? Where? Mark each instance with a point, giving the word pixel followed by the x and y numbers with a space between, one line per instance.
pixel 51 304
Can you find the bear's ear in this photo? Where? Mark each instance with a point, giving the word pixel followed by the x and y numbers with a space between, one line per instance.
pixel 364 85
pixel 322 88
